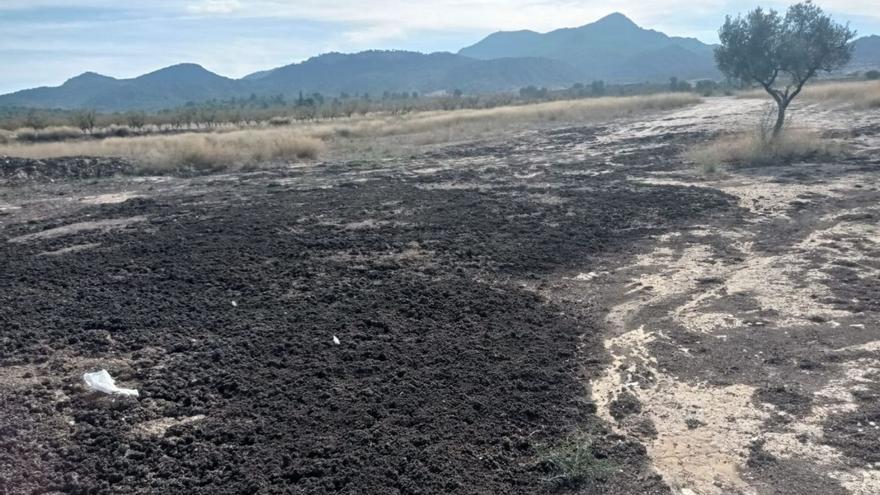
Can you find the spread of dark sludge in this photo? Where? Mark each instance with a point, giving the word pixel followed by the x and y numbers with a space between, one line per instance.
pixel 447 378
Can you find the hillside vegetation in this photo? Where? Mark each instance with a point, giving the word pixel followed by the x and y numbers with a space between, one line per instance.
pixel 854 94
pixel 229 148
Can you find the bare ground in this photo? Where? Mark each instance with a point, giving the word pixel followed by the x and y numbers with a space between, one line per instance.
pixel 713 335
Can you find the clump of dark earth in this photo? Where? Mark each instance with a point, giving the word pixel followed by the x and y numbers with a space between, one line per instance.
pixel 16 170
pixel 445 378
pixel 625 404
pixel 758 457
pixel 857 433
pixel 694 423
pixel 640 426
pixel 787 397
pixel 771 474
pixel 852 292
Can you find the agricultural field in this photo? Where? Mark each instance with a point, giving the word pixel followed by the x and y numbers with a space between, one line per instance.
pixel 612 296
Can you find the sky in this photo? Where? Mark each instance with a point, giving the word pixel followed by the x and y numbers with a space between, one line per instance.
pixel 45 42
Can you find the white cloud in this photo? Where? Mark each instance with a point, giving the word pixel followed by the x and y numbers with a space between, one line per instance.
pixel 374 34
pixel 214 7
pixel 540 15
pixel 443 15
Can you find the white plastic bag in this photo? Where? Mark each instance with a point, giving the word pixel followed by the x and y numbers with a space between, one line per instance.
pixel 103 382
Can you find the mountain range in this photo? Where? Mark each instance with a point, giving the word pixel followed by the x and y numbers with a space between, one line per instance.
pixel 613 49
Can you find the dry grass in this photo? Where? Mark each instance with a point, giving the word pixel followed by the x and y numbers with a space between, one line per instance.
pixel 59 133
pixel 555 111
pixel 276 142
pixel 231 150
pixel 754 149
pixel 861 95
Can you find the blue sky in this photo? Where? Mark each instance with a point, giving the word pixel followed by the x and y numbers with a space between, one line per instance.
pixel 45 42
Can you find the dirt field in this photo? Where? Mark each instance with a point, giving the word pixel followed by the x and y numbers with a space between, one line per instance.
pixel 711 335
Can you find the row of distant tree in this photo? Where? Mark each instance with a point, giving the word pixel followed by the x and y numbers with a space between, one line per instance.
pixel 706 87
pixel 275 109
pixel 303 107
pixel 600 88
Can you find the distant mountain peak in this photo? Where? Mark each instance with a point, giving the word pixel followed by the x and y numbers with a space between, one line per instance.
pixel 88 77
pixel 182 73
pixel 616 20
pixel 186 67
pixel 603 49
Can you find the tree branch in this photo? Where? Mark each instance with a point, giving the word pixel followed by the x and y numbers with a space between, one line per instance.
pixel 802 82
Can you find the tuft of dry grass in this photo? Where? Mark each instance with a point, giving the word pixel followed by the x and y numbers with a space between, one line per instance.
pixel 860 95
pixel 231 150
pixel 274 142
pixel 754 149
pixel 59 133
pixel 113 130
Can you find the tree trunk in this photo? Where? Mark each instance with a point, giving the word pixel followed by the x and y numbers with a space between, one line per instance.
pixel 780 117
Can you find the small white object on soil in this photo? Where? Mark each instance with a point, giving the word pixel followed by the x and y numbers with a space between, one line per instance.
pixel 336 340
pixel 234 304
pixel 101 381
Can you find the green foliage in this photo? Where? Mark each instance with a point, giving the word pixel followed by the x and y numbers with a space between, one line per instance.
pixel 34 119
pixel 136 120
pixel 533 93
pixel 573 462
pixel 85 119
pixel 872 75
pixel 707 87
pixel 675 85
pixel 782 53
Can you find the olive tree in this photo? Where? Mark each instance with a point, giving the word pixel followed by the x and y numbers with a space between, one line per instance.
pixel 85 119
pixel 782 53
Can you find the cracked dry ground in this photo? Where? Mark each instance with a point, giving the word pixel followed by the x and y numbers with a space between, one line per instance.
pixel 712 335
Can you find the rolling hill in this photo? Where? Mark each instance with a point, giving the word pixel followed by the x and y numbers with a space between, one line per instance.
pixel 372 71
pixel 164 88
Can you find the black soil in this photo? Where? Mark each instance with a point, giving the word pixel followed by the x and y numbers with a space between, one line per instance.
pixel 447 376
pixel 23 170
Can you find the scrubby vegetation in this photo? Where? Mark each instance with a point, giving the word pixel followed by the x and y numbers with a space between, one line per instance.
pixel 573 462
pixel 258 111
pixel 760 149
pixel 859 95
pixel 214 151
pixel 228 147
pixel 54 133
